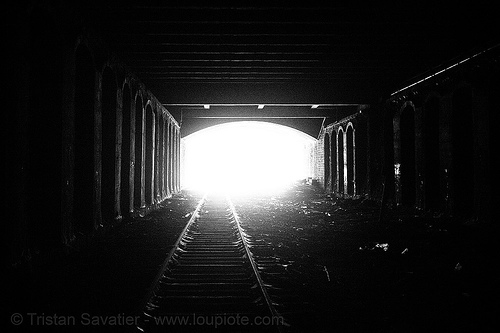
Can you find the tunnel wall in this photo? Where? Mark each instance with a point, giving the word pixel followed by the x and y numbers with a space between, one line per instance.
pixel 429 148
pixel 77 145
pixel 453 139
pixel 341 159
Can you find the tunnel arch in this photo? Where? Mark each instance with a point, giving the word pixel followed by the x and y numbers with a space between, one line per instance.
pixel 305 125
pixel 333 160
pixel 125 206
pixel 139 152
pixel 407 142
pixel 326 161
pixel 245 156
pixel 108 152
pixel 168 143
pixel 340 159
pixel 350 161
pixel 83 191
pixel 161 120
pixel 149 155
pixel 263 122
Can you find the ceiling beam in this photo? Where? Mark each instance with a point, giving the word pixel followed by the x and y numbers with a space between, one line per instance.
pixel 254 112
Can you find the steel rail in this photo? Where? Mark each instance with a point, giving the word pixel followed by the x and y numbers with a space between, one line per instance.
pixel 263 289
pixel 165 263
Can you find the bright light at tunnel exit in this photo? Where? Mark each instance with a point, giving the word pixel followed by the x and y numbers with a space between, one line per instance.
pixel 247 157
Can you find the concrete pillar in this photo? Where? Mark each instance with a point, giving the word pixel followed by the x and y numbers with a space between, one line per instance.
pixel 350 160
pixel 333 160
pixel 326 161
pixel 167 157
pixel 139 152
pixel 142 156
pixel 126 152
pixel 132 153
pixel 344 165
pixel 149 156
pixel 98 151
pixel 153 157
pixel 340 161
pixel 163 174
pixel 158 164
pixel 178 159
pixel 171 159
pixel 118 153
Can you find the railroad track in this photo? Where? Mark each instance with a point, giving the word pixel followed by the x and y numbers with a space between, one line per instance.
pixel 210 279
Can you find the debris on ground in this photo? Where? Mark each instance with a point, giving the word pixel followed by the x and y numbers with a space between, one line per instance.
pixel 379 284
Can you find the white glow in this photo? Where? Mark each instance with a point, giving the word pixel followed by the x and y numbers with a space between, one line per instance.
pixel 246 157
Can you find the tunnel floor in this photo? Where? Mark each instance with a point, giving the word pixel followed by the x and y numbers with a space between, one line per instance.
pixel 335 265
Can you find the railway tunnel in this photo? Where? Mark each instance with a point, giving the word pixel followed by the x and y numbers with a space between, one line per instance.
pixel 250 166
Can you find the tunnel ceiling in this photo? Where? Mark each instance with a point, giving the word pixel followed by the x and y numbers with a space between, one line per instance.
pixel 303 117
pixel 265 52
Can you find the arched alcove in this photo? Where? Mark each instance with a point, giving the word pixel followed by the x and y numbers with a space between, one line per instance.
pixel 149 168
pixel 333 160
pixel 108 155
pixel 350 159
pixel 326 156
pixel 160 153
pixel 83 194
pixel 407 137
pixel 139 153
pixel 156 116
pixel 340 159
pixel 175 167
pixel 166 167
pixel 171 159
pixel 125 159
pixel 165 145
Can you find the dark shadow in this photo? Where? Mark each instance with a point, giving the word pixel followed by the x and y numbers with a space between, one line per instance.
pixel 407 128
pixel 148 186
pixel 44 131
pixel 125 159
pixel 431 151
pixel 108 145
pixel 138 166
pixel 84 183
pixel 462 153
